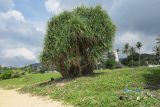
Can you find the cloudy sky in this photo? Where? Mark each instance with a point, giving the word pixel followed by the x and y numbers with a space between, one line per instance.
pixel 23 24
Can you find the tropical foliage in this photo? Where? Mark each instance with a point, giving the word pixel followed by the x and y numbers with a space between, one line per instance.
pixel 126 49
pixel 138 46
pixel 75 39
pixel 109 88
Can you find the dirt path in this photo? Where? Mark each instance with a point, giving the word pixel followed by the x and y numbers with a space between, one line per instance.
pixel 11 98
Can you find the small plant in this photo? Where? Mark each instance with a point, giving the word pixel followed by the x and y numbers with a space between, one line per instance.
pixel 23 72
pixel 110 64
pixel 15 75
pixel 6 74
pixel 109 60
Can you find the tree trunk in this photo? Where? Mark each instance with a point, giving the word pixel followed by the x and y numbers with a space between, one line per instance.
pixel 139 58
pixel 63 70
pixel 127 59
pixel 79 68
pixel 87 70
pixel 74 71
pixel 87 66
pixel 132 60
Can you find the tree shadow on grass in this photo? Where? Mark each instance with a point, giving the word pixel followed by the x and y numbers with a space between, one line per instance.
pixel 152 79
pixel 52 81
pixel 65 81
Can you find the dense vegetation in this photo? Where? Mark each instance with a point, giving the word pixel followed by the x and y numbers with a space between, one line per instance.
pixel 134 58
pixel 75 42
pixel 156 50
pixel 7 73
pixel 107 61
pixel 146 59
pixel 107 88
pixel 76 39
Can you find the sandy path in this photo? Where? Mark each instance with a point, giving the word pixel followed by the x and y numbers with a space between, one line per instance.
pixel 11 98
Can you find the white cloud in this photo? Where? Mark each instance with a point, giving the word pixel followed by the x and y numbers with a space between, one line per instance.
pixel 10 20
pixel 20 41
pixel 53 6
pixel 11 53
pixel 40 27
pixel 14 26
pixel 12 14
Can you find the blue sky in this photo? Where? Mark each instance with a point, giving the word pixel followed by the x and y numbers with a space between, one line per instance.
pixel 23 25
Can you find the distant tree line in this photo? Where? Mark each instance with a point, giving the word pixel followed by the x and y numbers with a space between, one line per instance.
pixel 135 58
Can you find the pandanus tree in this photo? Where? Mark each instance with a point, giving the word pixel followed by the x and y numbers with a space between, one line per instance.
pixel 138 46
pixel 75 39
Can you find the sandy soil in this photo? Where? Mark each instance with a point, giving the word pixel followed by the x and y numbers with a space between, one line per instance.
pixel 11 98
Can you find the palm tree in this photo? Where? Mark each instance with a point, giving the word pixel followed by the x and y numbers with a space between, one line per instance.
pixel 138 46
pixel 126 49
pixel 156 49
pixel 132 51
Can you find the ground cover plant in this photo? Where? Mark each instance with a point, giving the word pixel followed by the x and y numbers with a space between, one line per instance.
pixel 107 88
pixel 28 80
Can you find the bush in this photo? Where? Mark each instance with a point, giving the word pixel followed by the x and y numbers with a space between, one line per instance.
pixel 15 75
pixel 23 72
pixel 6 74
pixel 110 64
pixel 135 63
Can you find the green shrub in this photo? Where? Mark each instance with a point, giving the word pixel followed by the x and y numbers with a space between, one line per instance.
pixel 23 72
pixel 15 75
pixel 6 74
pixel 110 64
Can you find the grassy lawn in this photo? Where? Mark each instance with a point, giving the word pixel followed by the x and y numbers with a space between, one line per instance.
pixel 107 88
pixel 27 80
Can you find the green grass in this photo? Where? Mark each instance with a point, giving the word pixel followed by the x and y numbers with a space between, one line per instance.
pixel 27 80
pixel 101 90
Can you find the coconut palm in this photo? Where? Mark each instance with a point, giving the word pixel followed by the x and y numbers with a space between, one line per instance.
pixel 132 51
pixel 126 49
pixel 156 49
pixel 138 46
